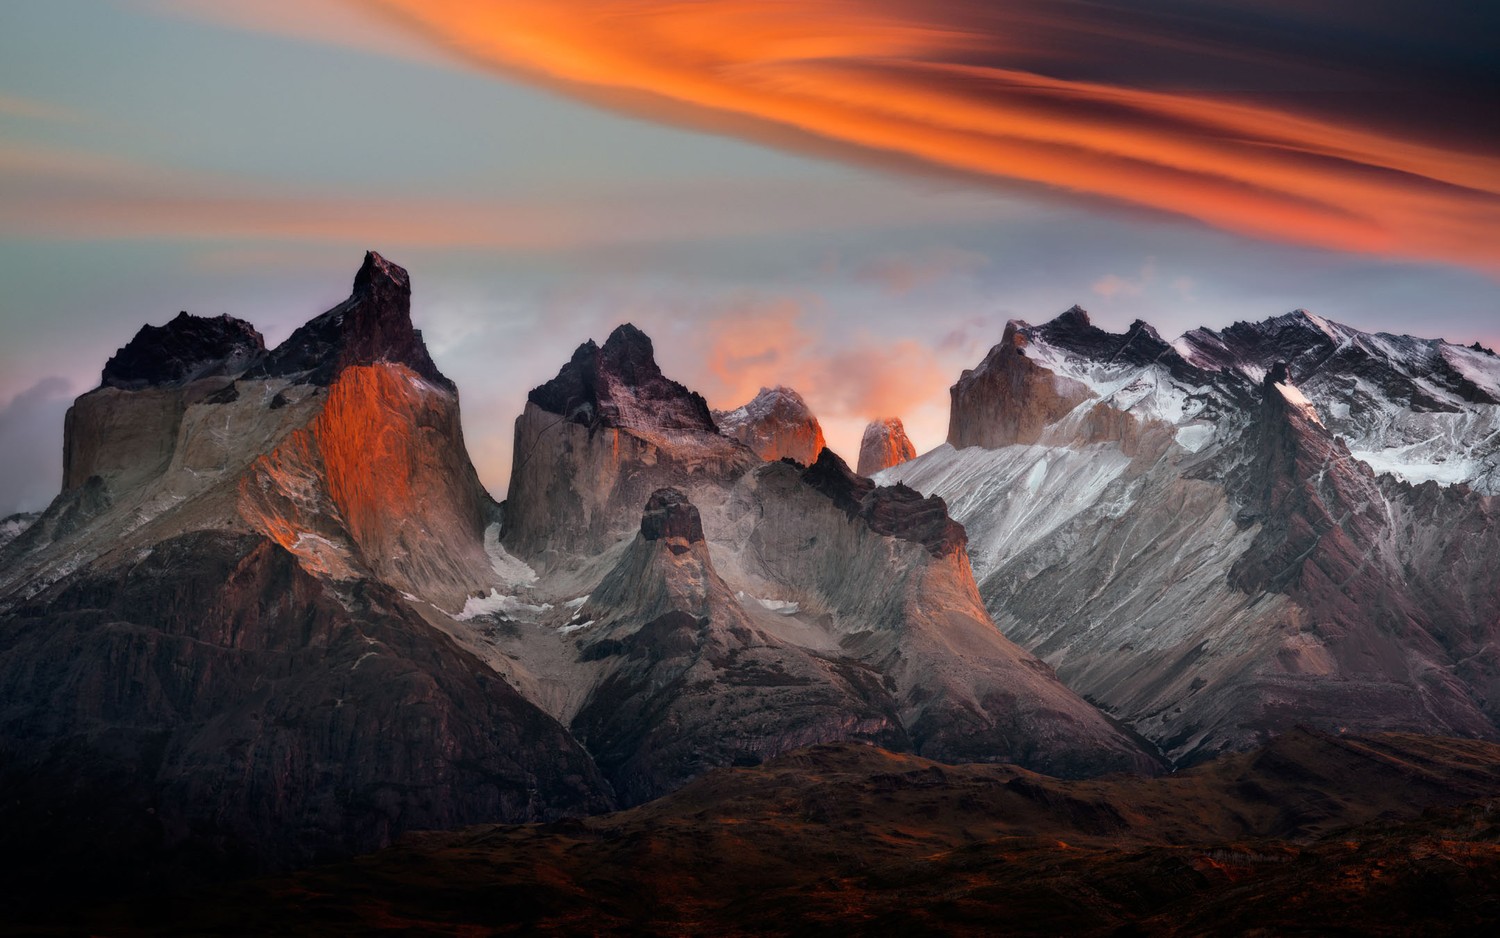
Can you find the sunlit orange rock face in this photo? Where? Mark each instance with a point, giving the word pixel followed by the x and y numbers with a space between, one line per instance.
pixel 393 451
pixel 884 445
pixel 777 424
pixel 384 457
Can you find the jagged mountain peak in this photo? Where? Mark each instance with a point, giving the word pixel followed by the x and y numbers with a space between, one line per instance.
pixel 1301 318
pixel 185 349
pixel 776 424
pixel 620 385
pixel 595 441
pixel 372 325
pixel 1074 317
pixel 378 275
pixel 630 354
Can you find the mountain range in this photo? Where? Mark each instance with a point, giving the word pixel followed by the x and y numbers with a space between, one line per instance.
pixel 273 618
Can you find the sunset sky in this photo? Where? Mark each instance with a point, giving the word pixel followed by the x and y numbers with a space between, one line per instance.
pixel 850 197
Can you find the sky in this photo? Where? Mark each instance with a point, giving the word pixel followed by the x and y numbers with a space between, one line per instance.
pixel 849 197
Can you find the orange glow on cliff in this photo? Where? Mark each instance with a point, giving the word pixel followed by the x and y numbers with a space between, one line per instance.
pixel 380 469
pixel 891 78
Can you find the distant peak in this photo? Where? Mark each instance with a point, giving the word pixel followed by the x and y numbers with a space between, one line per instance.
pixel 781 391
pixel 1305 321
pixel 619 384
pixel 629 355
pixel 883 445
pixel 775 424
pixel 769 400
pixel 627 341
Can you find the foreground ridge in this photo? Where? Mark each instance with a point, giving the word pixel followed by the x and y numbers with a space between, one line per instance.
pixel 1389 834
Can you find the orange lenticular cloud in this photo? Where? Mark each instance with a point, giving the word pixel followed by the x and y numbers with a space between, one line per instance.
pixel 962 87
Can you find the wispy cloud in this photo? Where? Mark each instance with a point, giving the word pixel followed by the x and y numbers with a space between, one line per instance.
pixel 54 193
pixel 1200 113
pixel 32 109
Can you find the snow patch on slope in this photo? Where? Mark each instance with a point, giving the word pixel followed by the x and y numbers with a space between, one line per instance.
pixel 512 570
pixel 1149 392
pixel 1297 399
pixel 497 603
pixel 12 527
pixel 1013 497
pixel 779 606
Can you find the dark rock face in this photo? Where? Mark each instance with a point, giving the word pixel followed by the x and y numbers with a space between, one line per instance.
pixel 895 510
pixel 1008 398
pixel 668 516
pixel 215 709
pixel 373 325
pixel 620 385
pixel 183 350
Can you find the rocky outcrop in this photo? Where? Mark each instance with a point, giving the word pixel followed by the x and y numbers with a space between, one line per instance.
pixel 689 678
pixel 884 445
pixel 594 443
pixel 619 385
pixel 884 571
pixel 895 511
pixel 776 424
pixel 13 526
pixel 126 430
